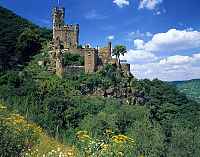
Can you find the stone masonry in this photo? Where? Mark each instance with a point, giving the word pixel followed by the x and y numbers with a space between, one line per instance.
pixel 66 40
pixel 67 34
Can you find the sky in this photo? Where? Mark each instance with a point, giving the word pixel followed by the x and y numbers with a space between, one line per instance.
pixel 162 36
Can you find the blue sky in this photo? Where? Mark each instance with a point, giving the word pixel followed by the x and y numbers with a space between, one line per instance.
pixel 162 36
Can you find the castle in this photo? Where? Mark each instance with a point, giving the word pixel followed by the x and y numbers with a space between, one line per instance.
pixel 66 40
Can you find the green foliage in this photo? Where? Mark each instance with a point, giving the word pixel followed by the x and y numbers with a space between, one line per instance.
pixel 16 136
pixel 184 141
pixel 11 26
pixel 108 145
pixel 162 121
pixel 119 50
pixel 150 112
pixel 28 43
pixel 73 59
pixel 190 88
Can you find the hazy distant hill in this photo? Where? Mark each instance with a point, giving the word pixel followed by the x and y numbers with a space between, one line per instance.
pixel 190 88
pixel 11 26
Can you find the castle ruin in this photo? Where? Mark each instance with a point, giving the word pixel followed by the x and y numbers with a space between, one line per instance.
pixel 66 40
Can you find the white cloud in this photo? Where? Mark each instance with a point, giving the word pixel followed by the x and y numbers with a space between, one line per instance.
pixel 121 3
pixel 137 34
pixel 171 68
pixel 176 60
pixel 174 40
pixel 111 37
pixel 158 12
pixel 147 60
pixel 138 44
pixel 166 72
pixel 91 15
pixel 196 56
pixel 148 34
pixel 138 56
pixel 149 4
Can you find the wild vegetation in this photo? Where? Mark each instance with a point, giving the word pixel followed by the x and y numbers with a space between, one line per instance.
pixel 13 30
pixel 161 121
pixel 190 88
pixel 20 137
pixel 104 114
pixel 73 59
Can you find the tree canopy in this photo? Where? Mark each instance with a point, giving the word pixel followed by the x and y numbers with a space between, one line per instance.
pixel 119 50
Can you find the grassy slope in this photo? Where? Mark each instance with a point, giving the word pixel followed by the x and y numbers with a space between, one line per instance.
pixel 190 88
pixel 45 145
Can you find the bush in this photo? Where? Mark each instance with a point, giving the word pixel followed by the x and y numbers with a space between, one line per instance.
pixel 73 59
pixel 28 44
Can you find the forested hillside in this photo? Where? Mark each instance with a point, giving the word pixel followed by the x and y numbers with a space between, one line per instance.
pixel 11 28
pixel 190 88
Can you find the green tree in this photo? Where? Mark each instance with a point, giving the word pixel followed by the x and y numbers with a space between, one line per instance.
pixel 28 44
pixel 119 50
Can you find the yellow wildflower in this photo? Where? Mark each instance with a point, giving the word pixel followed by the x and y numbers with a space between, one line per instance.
pixel 82 135
pixel 16 118
pixel 104 147
pixel 120 138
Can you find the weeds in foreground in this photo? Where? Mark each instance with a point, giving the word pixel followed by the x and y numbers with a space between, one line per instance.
pixel 109 146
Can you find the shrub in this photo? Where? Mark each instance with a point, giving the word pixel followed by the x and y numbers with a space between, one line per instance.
pixel 73 59
pixel 28 44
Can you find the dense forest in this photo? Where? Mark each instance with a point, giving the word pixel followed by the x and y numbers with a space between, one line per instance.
pixel 190 88
pixel 105 114
pixel 13 29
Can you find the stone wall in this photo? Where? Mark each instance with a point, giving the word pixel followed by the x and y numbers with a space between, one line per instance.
pixel 73 70
pixel 58 22
pixel 67 34
pixel 90 60
pixel 79 51
pixel 105 54
pixel 71 36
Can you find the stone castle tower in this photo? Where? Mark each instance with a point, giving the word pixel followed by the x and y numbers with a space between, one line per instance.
pixel 67 34
pixel 66 40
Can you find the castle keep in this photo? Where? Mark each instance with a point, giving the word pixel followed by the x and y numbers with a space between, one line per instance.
pixel 66 40
pixel 67 34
